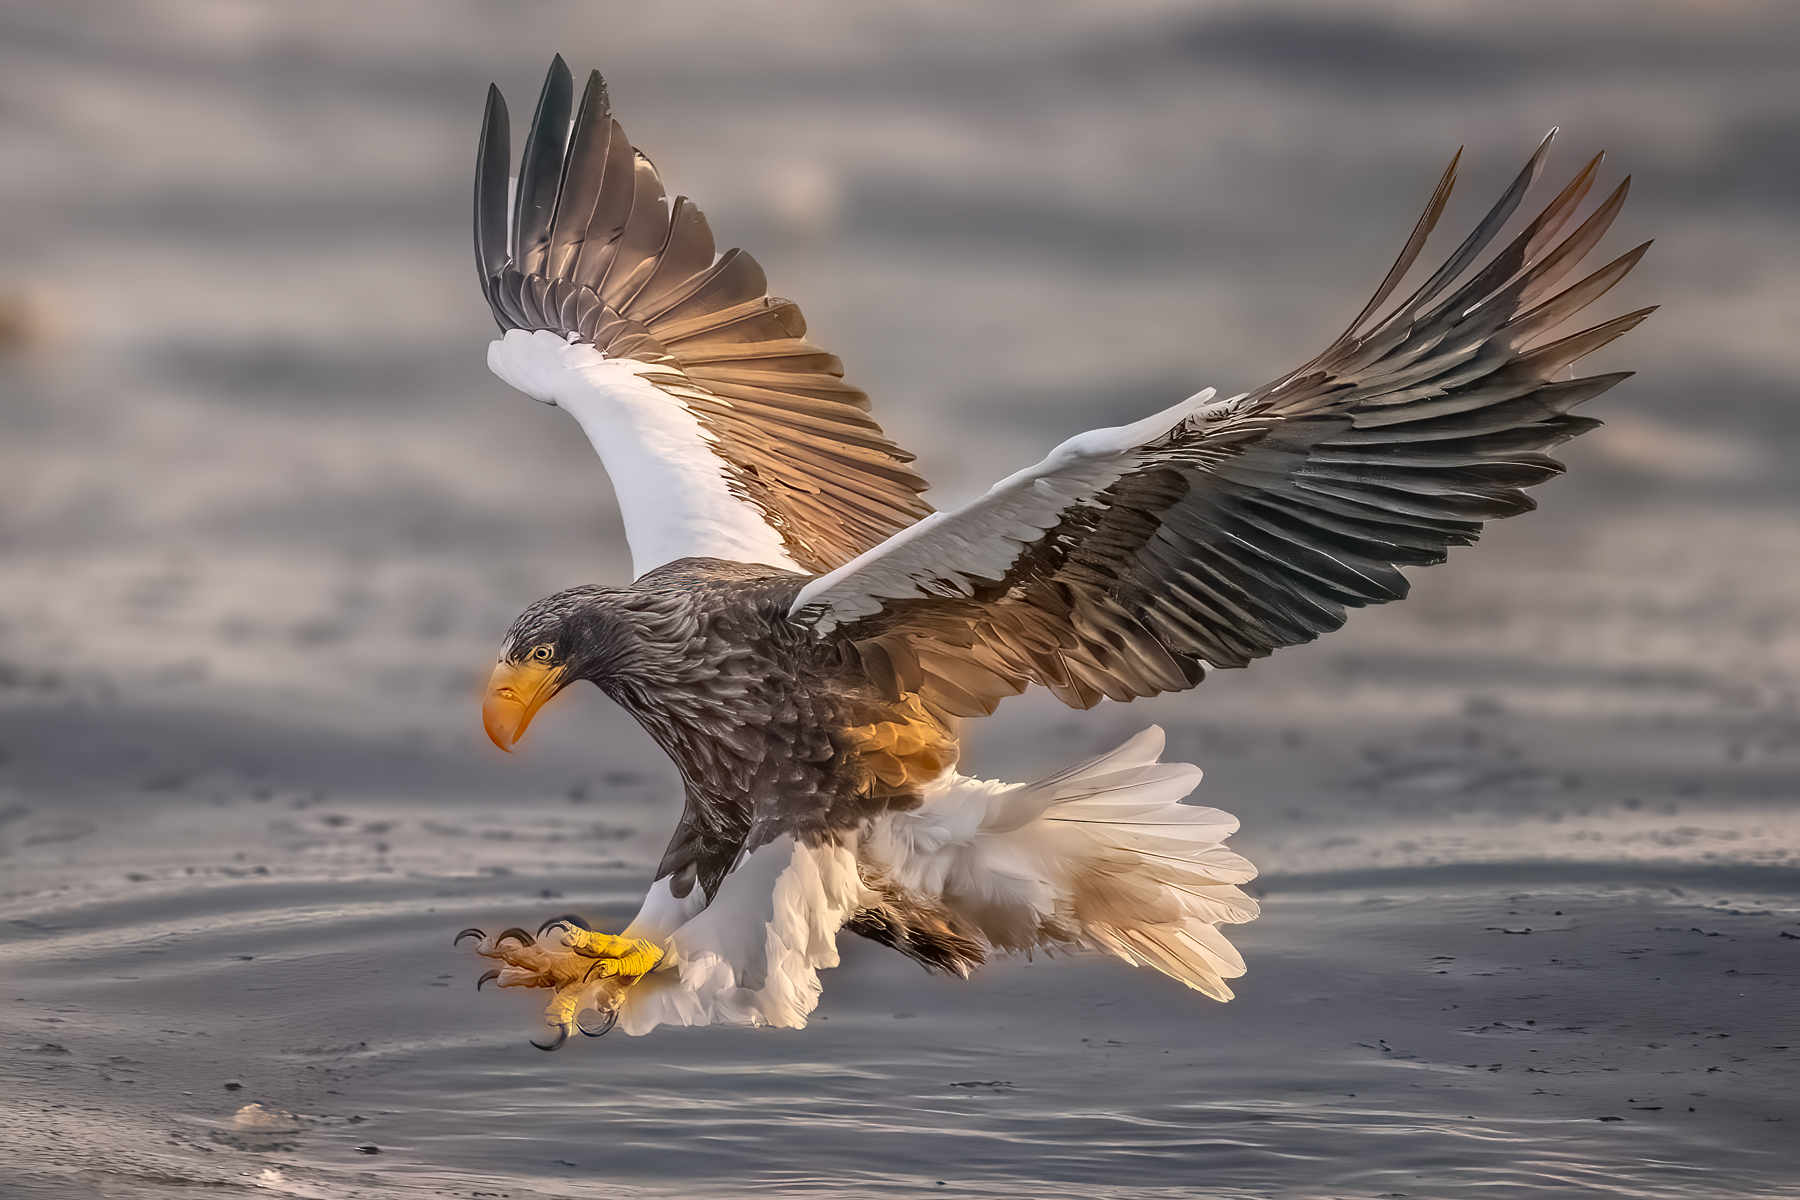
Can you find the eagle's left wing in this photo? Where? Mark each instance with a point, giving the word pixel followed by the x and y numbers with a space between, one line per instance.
pixel 726 433
pixel 1209 535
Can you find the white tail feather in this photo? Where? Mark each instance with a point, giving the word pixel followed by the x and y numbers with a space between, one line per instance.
pixel 1101 854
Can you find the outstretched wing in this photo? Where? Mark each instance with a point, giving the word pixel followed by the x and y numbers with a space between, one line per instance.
pixel 726 433
pixel 1132 559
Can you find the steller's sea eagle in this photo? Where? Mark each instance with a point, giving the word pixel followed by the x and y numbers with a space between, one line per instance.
pixel 805 635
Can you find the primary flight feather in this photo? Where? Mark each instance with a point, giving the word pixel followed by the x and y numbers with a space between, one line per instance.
pixel 804 634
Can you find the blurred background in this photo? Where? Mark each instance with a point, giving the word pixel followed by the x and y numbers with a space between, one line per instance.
pixel 264 514
pixel 257 486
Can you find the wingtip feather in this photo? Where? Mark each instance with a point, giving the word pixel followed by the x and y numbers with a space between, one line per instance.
pixel 491 155
pixel 540 169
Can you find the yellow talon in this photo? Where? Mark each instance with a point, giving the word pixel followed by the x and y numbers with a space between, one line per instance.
pixel 561 1010
pixel 590 973
pixel 619 955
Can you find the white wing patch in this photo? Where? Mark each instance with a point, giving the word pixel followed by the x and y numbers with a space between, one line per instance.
pixel 674 491
pixel 946 552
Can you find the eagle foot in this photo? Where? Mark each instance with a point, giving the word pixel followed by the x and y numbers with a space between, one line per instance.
pixel 589 970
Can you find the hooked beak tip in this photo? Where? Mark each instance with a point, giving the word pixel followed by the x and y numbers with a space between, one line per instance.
pixel 502 726
pixel 515 693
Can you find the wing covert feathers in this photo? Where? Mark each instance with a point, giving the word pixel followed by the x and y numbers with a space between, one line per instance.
pixel 1238 527
pixel 596 254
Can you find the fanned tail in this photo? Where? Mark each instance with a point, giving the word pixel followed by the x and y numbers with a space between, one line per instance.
pixel 1102 855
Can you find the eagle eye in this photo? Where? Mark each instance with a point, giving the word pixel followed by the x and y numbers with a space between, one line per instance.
pixel 543 653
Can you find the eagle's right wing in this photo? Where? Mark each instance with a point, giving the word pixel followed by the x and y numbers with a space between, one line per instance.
pixel 1132 559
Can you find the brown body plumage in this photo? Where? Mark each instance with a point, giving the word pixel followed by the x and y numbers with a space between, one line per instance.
pixel 774 731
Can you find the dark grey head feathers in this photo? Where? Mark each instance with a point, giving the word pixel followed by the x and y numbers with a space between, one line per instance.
pixel 582 630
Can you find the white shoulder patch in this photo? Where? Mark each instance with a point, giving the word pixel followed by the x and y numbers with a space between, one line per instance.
pixel 675 492
pixel 946 552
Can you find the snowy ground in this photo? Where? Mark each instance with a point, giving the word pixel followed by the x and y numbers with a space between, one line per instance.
pixel 263 516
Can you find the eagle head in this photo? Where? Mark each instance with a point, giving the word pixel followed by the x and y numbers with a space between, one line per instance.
pixel 575 634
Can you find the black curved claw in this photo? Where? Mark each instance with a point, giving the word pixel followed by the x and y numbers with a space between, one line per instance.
pixel 562 1035
pixel 525 939
pixel 490 976
pixel 612 1018
pixel 574 919
pixel 469 932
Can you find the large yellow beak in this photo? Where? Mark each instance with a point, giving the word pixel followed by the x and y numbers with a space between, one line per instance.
pixel 514 694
